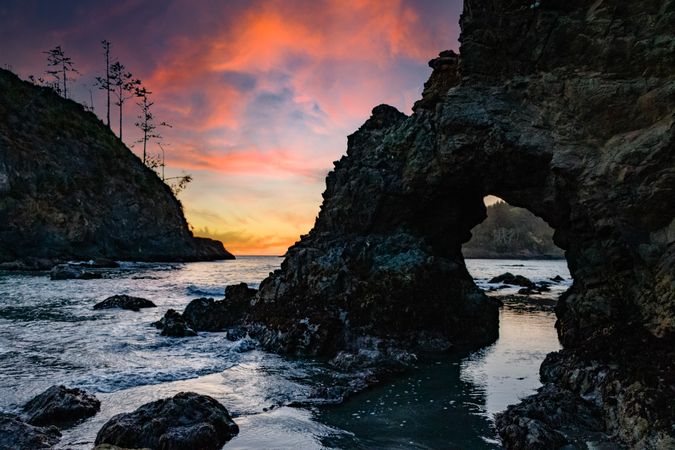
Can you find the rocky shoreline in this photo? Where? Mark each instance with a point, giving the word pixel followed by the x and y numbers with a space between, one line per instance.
pixel 562 108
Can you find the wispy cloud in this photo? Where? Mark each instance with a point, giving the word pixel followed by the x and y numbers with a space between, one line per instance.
pixel 261 93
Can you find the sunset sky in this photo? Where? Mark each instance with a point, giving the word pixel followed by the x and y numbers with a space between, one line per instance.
pixel 261 94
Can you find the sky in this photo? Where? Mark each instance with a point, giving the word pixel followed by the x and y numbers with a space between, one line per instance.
pixel 261 95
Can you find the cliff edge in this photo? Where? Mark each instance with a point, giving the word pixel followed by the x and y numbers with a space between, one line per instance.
pixel 70 189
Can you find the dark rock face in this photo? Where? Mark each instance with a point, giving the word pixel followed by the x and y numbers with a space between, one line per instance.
pixel 207 314
pixel 552 419
pixel 125 302
pixel 563 108
pixel 72 272
pixel 18 435
pixel 60 406
pixel 173 324
pixel 184 422
pixel 71 190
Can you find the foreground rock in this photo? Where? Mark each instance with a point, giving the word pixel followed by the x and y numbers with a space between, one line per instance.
pixel 125 302
pixel 207 314
pixel 186 421
pixel 61 406
pixel 174 325
pixel 18 435
pixel 71 190
pixel 72 272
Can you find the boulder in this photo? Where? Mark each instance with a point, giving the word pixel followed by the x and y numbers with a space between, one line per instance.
pixel 186 421
pixel 173 324
pixel 18 435
pixel 557 279
pixel 60 406
pixel 72 272
pixel 125 302
pixel 206 314
pixel 516 280
pixel 550 419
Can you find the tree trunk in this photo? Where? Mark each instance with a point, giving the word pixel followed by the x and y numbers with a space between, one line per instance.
pixel 121 103
pixel 107 84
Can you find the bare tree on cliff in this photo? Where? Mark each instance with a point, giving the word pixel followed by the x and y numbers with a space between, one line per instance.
pixel 59 66
pixel 103 83
pixel 146 121
pixel 123 85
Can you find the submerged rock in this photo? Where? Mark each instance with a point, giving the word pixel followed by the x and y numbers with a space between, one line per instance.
pixel 515 280
pixel 125 302
pixel 173 324
pixel 72 272
pixel 186 421
pixel 100 263
pixel 18 435
pixel 61 406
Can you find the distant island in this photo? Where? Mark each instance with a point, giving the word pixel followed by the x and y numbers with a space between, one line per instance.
pixel 509 232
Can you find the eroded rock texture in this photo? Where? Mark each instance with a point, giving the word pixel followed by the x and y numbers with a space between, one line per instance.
pixel 565 108
pixel 185 421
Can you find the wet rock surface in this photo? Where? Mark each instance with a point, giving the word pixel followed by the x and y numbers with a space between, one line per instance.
pixel 174 325
pixel 60 406
pixel 516 280
pixel 125 302
pixel 566 109
pixel 207 314
pixel 72 272
pixel 18 435
pixel 184 422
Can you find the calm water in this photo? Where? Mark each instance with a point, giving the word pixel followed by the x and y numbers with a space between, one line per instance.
pixel 50 334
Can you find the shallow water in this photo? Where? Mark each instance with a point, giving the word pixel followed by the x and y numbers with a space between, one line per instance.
pixel 50 334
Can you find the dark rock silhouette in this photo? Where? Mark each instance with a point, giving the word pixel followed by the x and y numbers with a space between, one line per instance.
pixel 60 406
pixel 207 314
pixel 125 302
pixel 72 272
pixel 173 324
pixel 184 422
pixel 516 280
pixel 565 109
pixel 71 190
pixel 18 435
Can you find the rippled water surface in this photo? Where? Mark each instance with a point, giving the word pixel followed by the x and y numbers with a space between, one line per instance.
pixel 50 334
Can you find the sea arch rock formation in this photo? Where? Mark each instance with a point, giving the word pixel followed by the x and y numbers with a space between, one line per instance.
pixel 565 108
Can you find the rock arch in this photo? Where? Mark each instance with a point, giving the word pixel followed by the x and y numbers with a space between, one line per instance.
pixel 565 109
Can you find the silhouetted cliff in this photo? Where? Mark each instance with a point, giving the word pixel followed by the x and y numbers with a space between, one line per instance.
pixel 70 189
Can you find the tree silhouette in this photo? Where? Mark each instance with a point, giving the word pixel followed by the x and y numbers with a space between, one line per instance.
pixel 124 86
pixel 103 83
pixel 60 65
pixel 146 121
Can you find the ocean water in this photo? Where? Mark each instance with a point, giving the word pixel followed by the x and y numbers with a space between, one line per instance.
pixel 50 334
